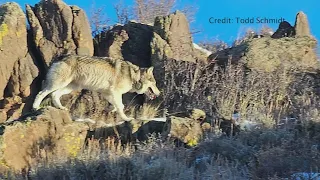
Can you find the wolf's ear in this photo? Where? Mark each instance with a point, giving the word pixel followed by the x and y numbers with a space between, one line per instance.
pixel 150 70
pixel 135 73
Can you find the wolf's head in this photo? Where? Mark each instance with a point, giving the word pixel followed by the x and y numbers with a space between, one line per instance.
pixel 147 84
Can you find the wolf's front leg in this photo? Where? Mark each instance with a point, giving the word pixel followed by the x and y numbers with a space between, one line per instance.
pixel 120 108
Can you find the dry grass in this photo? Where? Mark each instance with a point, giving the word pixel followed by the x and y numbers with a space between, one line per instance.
pixel 148 111
pixel 258 96
pixel 261 154
pixel 268 153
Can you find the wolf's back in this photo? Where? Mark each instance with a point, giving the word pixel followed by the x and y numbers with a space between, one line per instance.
pixel 59 70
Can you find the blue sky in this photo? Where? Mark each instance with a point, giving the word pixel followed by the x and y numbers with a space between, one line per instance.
pixel 232 9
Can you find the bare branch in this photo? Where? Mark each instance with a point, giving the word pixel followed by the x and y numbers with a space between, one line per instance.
pixel 98 19
pixel 124 12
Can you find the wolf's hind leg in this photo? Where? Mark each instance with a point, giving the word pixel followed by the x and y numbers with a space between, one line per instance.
pixel 58 77
pixel 56 95
pixel 41 95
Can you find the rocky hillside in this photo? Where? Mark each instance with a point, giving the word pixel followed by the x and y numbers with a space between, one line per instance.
pixel 289 45
pixel 55 28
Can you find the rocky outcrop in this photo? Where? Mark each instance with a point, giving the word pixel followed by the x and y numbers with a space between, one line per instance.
pixel 46 133
pixel 297 53
pixel 59 29
pixel 284 30
pixel 161 51
pixel 51 132
pixel 55 29
pixel 13 44
pixel 174 30
pixel 289 47
pixel 172 41
pixel 300 29
pixel 301 26
pixel 18 68
pixel 81 32
pixel 130 42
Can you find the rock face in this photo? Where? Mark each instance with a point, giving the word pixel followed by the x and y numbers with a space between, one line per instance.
pixel 49 132
pixel 187 130
pixel 13 41
pixel 300 29
pixel 55 29
pixel 284 30
pixel 172 40
pixel 18 67
pixel 130 42
pixel 297 53
pixel 288 47
pixel 59 29
pixel 272 53
pixel 174 30
pixel 301 26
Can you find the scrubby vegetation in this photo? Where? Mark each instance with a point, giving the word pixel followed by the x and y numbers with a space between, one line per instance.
pixel 260 154
pixel 274 84
pixel 266 153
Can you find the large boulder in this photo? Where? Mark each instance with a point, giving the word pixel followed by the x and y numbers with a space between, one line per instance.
pixel 300 29
pixel 284 30
pixel 18 67
pixel 172 41
pixel 51 132
pixel 289 47
pixel 59 29
pixel 174 30
pixel 301 26
pixel 130 42
pixel 268 54
pixel 185 129
pixel 13 41
pixel 44 134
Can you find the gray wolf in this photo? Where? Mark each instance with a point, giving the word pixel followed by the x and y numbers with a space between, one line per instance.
pixel 110 77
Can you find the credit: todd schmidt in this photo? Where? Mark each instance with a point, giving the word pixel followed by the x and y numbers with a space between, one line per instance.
pixel 245 20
